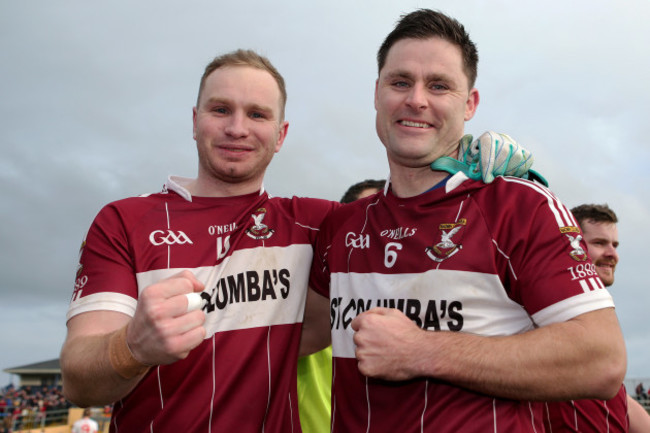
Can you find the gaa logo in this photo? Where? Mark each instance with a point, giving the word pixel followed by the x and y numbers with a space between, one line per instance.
pixel 159 237
pixel 357 241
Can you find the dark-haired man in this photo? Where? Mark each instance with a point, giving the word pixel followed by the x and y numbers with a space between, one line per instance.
pixel 453 303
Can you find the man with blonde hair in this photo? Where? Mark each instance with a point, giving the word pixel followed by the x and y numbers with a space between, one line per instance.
pixel 188 303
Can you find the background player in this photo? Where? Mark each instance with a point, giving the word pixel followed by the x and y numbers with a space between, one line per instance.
pixel 600 233
pixel 315 370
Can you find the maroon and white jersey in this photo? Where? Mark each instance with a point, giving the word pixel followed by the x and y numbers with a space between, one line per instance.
pixel 253 253
pixel 589 416
pixel 493 260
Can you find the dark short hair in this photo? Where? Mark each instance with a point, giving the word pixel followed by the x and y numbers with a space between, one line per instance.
pixel 246 58
pixel 353 192
pixel 425 24
pixel 598 213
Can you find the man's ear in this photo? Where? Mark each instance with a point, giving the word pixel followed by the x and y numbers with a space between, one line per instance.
pixel 194 122
pixel 471 104
pixel 282 134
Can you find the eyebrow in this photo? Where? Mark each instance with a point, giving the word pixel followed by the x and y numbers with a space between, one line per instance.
pixel 601 239
pixel 400 73
pixel 226 101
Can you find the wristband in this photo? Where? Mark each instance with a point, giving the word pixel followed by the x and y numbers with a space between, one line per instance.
pixel 121 357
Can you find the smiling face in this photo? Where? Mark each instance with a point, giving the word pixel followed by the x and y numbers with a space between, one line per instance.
pixel 237 128
pixel 423 99
pixel 602 241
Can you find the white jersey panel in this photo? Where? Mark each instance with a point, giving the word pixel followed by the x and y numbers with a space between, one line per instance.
pixel 242 302
pixel 574 306
pixel 436 300
pixel 101 301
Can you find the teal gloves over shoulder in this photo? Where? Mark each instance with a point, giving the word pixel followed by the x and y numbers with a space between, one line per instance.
pixel 490 155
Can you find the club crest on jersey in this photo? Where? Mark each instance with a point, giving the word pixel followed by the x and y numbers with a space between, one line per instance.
pixel 577 253
pixel 259 230
pixel 446 247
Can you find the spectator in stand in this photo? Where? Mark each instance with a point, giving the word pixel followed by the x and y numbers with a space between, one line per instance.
pixel 640 391
pixel 621 413
pixel 6 423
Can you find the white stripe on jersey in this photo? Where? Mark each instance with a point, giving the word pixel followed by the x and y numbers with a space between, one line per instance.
pixel 486 309
pixel 595 283
pixel 426 404
pixel 102 301
pixel 169 247
pixel 574 306
pixel 532 417
pixel 214 382
pixel 563 217
pixel 238 314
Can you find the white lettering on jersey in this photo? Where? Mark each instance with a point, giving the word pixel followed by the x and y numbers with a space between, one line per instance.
pixel 357 241
pixel 223 229
pixel 250 288
pixel 223 245
pixel 390 256
pixel 398 233
pixel 159 237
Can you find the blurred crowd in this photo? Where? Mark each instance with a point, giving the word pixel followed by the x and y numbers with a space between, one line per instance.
pixel 29 404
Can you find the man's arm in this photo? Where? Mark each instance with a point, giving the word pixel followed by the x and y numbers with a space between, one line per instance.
pixel 639 418
pixel 106 353
pixel 316 324
pixel 581 358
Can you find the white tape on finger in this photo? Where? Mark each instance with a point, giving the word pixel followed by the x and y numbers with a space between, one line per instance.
pixel 194 301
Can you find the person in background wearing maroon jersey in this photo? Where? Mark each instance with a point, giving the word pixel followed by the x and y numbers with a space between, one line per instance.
pixel 363 189
pixel 600 233
pixel 315 370
pixel 456 306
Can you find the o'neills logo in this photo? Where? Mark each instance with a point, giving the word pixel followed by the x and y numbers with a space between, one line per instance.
pixel 259 230
pixel 446 247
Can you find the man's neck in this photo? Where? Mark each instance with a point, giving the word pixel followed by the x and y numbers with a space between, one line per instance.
pixel 217 188
pixel 409 182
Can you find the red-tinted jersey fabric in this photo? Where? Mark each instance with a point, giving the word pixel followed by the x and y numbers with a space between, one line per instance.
pixel 589 416
pixel 493 260
pixel 253 254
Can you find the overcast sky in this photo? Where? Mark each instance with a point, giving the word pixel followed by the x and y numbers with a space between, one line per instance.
pixel 96 105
